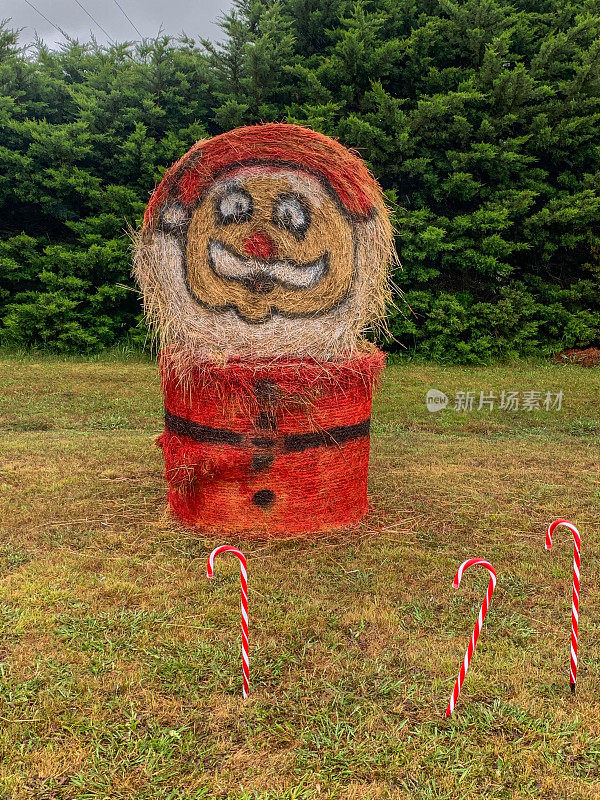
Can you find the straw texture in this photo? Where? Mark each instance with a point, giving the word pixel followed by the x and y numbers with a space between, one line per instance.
pixel 263 258
pixel 265 241
pixel 269 448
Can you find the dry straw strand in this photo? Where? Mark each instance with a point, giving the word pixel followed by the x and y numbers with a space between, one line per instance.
pixel 324 321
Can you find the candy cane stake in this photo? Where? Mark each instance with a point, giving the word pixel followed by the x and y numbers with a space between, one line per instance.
pixel 478 625
pixel 225 548
pixel 576 567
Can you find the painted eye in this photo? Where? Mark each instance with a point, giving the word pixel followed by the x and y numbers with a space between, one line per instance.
pixel 234 206
pixel 291 213
pixel 173 217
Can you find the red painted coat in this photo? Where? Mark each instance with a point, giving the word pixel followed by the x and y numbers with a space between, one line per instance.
pixel 269 447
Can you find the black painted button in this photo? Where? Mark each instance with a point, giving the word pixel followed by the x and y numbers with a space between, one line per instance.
pixel 261 461
pixel 264 498
pixel 267 391
pixel 262 441
pixel 266 421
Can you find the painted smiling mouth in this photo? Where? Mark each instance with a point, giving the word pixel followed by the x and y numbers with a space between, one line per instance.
pixel 261 277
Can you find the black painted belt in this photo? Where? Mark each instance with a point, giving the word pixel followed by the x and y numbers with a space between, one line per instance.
pixel 292 443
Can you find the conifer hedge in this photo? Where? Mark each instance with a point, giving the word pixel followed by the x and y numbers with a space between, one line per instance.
pixel 479 118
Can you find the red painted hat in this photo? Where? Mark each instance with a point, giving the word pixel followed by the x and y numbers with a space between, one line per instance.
pixel 274 143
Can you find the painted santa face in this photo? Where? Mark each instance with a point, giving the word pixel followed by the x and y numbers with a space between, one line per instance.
pixel 265 241
pixel 268 244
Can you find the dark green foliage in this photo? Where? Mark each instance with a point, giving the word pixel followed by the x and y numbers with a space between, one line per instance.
pixel 481 119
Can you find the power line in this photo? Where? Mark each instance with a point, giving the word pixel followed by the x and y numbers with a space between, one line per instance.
pixel 49 21
pixel 135 28
pixel 83 8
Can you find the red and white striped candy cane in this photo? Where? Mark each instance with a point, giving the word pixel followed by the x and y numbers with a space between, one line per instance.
pixel 576 567
pixel 471 562
pixel 225 548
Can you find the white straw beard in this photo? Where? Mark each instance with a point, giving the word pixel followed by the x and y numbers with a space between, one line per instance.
pixel 181 321
pixel 250 271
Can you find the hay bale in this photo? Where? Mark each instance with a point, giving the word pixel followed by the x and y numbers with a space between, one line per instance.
pixel 263 258
pixel 261 242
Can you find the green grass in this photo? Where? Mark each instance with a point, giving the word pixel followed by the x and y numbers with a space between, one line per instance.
pixel 119 661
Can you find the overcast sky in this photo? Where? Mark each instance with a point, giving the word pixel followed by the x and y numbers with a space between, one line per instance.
pixel 196 17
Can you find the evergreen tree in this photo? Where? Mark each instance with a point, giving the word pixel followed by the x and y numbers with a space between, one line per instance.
pixel 480 119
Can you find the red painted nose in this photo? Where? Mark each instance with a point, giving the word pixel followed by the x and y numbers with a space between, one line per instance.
pixel 260 245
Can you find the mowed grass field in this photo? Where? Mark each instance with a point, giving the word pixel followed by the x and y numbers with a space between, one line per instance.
pixel 120 663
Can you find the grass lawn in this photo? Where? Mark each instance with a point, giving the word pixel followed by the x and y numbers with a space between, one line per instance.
pixel 120 665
